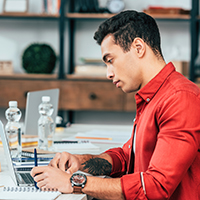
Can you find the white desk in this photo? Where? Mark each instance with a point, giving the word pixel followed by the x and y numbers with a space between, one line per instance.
pixel 124 130
pixel 69 132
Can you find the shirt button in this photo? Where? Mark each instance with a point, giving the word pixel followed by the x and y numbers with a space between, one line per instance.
pixel 148 99
pixel 129 146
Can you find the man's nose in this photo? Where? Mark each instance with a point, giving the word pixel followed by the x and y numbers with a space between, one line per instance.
pixel 110 73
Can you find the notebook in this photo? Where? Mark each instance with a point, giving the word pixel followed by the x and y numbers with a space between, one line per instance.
pixel 21 179
pixel 27 193
pixel 32 114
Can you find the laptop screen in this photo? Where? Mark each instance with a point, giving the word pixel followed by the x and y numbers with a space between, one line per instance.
pixel 32 114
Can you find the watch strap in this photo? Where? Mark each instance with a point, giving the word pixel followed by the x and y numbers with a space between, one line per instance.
pixel 77 189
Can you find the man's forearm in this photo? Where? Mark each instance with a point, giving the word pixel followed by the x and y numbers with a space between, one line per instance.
pixel 95 164
pixel 100 188
pixel 104 188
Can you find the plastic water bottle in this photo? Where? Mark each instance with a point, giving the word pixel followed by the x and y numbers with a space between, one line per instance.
pixel 45 124
pixel 13 127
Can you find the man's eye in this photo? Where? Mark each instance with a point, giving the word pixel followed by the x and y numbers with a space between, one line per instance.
pixel 110 61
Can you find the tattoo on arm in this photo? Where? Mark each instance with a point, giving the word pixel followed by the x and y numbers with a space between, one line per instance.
pixel 97 166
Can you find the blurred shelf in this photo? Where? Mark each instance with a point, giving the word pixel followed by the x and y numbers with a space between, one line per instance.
pixel 107 15
pixel 89 15
pixel 29 16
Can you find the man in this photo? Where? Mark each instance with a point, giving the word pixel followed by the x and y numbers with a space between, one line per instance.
pixel 162 159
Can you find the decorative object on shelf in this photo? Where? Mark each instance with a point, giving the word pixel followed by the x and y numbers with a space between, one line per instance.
pixel 15 6
pixel 166 10
pixel 39 58
pixel 92 67
pixel 6 67
pixel 115 6
pixel 88 6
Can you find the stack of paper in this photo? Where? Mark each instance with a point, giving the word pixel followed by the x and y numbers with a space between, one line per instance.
pixel 104 136
pixel 29 152
pixel 26 164
pixel 79 147
pixel 27 141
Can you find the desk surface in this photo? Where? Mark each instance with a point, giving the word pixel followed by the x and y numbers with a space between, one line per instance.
pixel 69 132
pixel 122 130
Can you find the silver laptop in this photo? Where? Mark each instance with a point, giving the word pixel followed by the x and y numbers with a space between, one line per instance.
pixel 32 114
pixel 19 178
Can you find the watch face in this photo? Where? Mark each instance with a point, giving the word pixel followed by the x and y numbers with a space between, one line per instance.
pixel 78 179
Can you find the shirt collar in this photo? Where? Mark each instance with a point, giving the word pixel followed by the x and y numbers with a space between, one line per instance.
pixel 151 88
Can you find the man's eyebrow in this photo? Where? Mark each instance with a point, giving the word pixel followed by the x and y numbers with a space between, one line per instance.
pixel 105 58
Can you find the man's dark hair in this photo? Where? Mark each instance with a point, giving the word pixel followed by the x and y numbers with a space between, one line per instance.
pixel 128 25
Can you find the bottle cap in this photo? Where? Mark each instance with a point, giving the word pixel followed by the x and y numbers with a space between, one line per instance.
pixel 46 98
pixel 12 103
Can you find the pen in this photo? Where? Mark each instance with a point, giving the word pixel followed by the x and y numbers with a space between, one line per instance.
pixel 96 138
pixel 36 164
pixel 65 142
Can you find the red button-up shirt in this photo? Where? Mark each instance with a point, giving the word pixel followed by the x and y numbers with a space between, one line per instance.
pixel 166 162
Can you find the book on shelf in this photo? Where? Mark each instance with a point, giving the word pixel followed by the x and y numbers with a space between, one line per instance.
pixel 91 69
pixel 166 10
pixel 51 6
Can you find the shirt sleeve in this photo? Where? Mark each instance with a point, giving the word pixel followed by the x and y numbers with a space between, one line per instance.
pixel 120 157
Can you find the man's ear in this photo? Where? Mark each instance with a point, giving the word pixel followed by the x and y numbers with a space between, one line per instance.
pixel 139 46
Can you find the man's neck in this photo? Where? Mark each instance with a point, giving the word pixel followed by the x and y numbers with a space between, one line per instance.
pixel 151 68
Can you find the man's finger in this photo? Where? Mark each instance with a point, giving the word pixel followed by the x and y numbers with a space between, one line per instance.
pixel 63 161
pixel 37 170
pixel 55 161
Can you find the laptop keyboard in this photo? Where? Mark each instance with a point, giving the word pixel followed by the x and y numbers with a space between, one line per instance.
pixel 27 178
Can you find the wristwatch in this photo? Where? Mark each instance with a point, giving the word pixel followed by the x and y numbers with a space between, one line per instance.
pixel 78 182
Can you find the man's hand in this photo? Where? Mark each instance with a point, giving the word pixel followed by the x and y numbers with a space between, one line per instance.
pixel 66 161
pixel 50 178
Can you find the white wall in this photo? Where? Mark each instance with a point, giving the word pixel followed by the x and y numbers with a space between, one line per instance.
pixel 16 35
